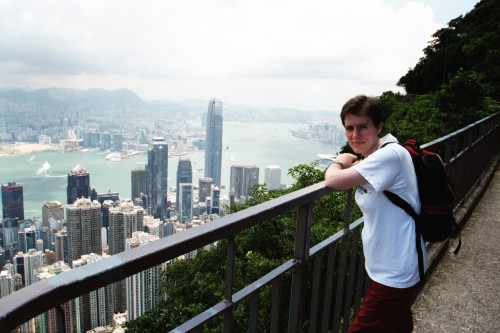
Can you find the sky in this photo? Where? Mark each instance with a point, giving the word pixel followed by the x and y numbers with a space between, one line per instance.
pixel 304 54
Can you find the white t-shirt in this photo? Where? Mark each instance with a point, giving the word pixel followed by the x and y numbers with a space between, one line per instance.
pixel 389 232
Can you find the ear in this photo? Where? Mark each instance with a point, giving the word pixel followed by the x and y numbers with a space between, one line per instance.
pixel 379 128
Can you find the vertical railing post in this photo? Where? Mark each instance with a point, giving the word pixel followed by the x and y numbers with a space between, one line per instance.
pixel 299 276
pixel 228 294
pixel 348 211
pixel 60 322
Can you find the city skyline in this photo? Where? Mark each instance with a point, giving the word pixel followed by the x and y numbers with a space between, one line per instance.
pixel 281 53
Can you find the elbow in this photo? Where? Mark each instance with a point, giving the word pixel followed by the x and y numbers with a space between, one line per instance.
pixel 332 184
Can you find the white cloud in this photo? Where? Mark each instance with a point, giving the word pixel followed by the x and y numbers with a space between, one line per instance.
pixel 296 53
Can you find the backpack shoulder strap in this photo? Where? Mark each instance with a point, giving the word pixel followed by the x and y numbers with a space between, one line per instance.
pixel 401 203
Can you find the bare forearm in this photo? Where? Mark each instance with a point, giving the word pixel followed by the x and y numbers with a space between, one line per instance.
pixel 340 175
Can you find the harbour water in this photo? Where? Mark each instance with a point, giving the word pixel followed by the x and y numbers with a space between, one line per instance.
pixel 43 175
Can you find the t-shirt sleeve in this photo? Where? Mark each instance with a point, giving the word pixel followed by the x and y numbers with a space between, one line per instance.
pixel 380 169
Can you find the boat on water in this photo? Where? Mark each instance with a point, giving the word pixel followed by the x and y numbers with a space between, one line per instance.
pixel 114 157
pixel 118 156
pixel 325 160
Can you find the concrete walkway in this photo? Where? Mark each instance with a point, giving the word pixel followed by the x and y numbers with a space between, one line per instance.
pixel 463 293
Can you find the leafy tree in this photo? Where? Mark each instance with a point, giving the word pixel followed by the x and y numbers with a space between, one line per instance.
pixel 471 42
pixel 465 98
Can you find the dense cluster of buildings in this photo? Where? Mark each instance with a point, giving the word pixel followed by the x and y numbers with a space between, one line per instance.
pixel 92 226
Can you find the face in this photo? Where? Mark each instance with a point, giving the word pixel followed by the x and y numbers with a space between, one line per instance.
pixel 362 134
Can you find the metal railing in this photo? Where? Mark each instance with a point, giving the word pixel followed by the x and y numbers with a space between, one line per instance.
pixel 326 280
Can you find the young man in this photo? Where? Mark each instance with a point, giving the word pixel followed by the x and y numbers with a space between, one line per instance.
pixel 389 232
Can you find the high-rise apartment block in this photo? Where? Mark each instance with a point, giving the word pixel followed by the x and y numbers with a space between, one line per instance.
pixel 61 245
pixel 204 188
pixel 157 177
pixel 154 226
pixel 124 220
pixel 95 308
pixel 6 283
pixel 52 209
pixel 142 288
pixel 243 177
pixel 272 177
pixel 213 148
pixel 78 184
pixel 184 175
pixel 83 223
pixel 48 320
pixel 12 201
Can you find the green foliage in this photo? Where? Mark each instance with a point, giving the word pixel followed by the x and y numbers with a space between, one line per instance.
pixel 465 98
pixel 470 42
pixel 409 112
pixel 305 175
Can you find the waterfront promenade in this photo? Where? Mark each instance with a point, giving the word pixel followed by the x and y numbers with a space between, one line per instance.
pixel 462 295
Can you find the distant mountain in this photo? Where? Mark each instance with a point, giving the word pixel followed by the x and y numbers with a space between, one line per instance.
pixel 99 100
pixel 63 98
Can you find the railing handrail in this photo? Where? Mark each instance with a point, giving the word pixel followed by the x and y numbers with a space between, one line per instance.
pixel 33 300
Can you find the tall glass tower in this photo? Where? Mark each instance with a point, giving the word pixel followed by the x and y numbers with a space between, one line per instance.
pixel 184 175
pixel 12 201
pixel 78 184
pixel 213 148
pixel 157 177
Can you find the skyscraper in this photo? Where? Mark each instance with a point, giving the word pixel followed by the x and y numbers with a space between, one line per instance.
pixel 243 177
pixel 204 188
pixel 52 209
pixel 12 201
pixel 184 175
pixel 157 177
pixel 272 177
pixel 61 245
pixel 139 181
pixel 215 204
pixel 185 211
pixel 213 148
pixel 83 222
pixel 78 184
pixel 26 239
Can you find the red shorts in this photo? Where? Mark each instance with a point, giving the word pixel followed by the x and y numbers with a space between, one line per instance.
pixel 385 309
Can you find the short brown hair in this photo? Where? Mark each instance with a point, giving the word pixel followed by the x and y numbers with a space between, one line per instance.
pixel 362 105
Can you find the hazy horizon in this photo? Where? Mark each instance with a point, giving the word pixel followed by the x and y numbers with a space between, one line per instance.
pixel 285 53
